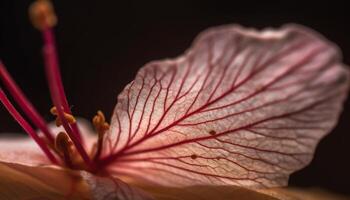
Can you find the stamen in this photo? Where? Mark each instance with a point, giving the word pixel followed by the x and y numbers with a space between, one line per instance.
pixel 54 77
pixel 101 126
pixel 25 125
pixel 70 118
pixel 70 132
pixel 24 103
pixel 55 83
pixel 43 17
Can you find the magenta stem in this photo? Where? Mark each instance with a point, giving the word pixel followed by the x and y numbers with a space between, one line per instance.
pixel 25 125
pixel 24 103
pixel 56 90
pixel 49 40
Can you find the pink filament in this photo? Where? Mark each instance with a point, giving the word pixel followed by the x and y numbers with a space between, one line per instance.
pixel 57 93
pixel 24 103
pixel 25 125
pixel 50 55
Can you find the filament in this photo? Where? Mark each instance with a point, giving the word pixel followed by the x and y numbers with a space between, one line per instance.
pixel 24 103
pixel 25 125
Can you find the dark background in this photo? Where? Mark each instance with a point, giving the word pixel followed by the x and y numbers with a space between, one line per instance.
pixel 103 43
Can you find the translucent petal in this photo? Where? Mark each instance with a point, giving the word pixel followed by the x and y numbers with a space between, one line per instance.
pixel 240 107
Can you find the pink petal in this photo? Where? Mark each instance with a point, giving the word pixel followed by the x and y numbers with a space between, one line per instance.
pixel 240 107
pixel 23 150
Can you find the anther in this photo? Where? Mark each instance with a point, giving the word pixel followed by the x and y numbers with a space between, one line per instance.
pixel 63 145
pixel 62 142
pixel 42 14
pixel 70 118
pixel 100 124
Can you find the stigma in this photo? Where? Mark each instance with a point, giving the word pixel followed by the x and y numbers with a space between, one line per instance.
pixel 42 14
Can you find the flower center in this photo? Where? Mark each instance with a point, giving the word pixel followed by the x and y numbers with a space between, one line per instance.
pixel 67 148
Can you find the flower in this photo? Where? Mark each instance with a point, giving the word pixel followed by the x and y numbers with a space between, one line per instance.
pixel 240 110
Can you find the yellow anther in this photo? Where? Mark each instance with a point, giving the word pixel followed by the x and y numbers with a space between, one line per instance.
pixel 42 14
pixel 65 149
pixel 96 121
pixel 100 113
pixel 100 124
pixel 70 118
